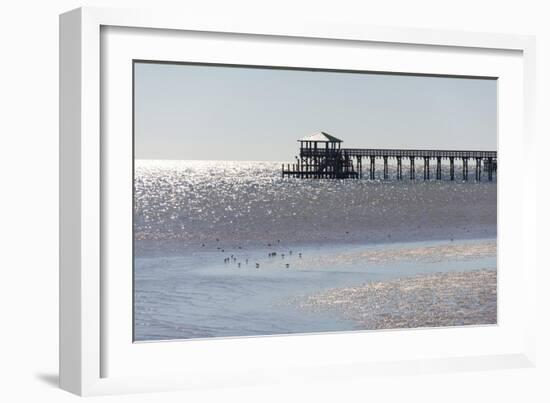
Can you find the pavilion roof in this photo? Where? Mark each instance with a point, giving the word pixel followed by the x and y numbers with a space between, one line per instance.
pixel 321 137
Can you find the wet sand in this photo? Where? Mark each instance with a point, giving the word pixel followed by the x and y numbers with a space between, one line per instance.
pixel 434 252
pixel 432 300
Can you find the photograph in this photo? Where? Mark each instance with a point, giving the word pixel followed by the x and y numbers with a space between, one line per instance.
pixel 279 200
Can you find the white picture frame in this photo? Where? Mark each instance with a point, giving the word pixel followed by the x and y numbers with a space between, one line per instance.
pixel 96 356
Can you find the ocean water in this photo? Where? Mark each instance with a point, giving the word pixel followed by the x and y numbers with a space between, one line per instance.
pixel 223 248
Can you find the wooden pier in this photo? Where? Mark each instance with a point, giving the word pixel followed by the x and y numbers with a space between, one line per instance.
pixel 322 157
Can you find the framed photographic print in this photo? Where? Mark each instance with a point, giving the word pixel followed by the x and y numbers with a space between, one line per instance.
pixel 243 203
pixel 229 240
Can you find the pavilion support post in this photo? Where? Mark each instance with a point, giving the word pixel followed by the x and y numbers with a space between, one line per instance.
pixel 490 172
pixel 411 168
pixel 438 169
pixel 465 168
pixel 316 166
pixel 385 167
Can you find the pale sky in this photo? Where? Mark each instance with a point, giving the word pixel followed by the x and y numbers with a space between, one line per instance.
pixel 234 113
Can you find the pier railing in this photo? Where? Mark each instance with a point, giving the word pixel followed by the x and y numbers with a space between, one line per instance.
pixel 379 152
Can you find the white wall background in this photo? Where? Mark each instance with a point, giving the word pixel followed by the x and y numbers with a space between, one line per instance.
pixel 29 187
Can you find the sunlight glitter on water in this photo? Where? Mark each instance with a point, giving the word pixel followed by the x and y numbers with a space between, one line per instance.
pixel 195 202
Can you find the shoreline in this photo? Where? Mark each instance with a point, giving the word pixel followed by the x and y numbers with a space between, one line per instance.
pixel 176 248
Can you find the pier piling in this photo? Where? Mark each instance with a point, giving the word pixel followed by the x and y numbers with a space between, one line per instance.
pixel 372 167
pixel 399 169
pixel 452 167
pixel 426 168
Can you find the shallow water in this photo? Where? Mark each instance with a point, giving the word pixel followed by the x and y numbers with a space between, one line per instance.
pixel 190 217
pixel 202 296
